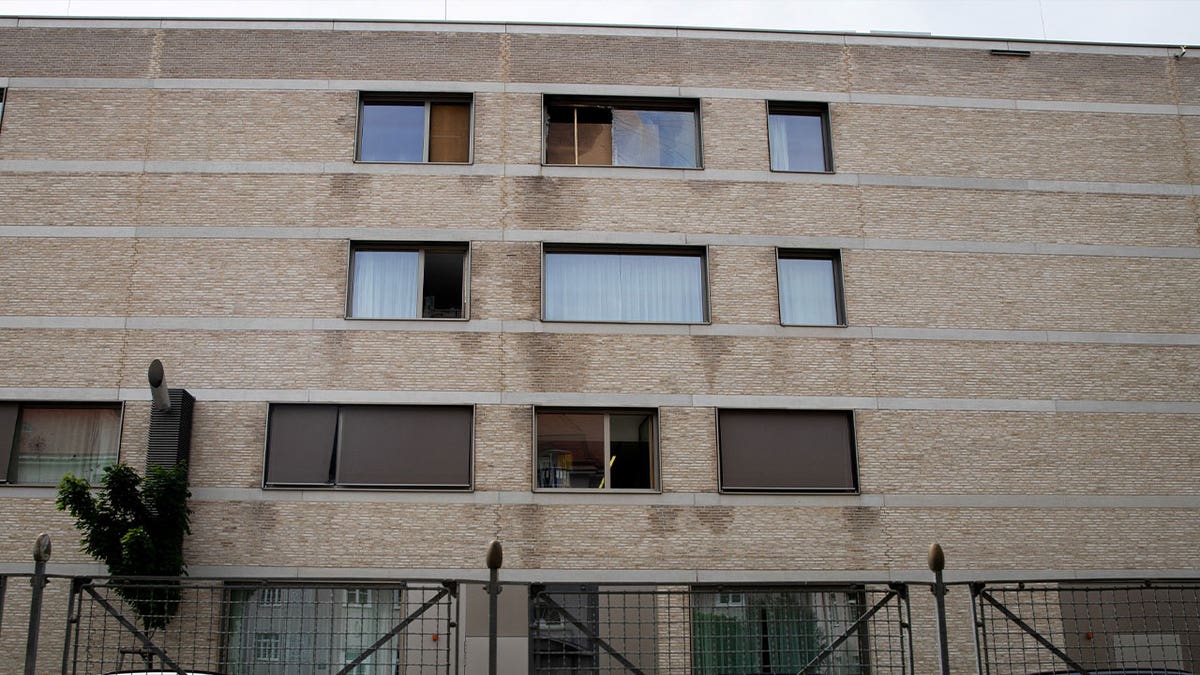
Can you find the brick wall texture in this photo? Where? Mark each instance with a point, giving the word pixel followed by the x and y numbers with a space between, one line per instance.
pixel 221 246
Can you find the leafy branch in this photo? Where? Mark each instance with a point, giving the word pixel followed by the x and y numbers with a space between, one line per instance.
pixel 135 526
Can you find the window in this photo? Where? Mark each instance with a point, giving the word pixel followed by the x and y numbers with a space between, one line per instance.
pixel 41 443
pixel 810 288
pixel 3 92
pixel 599 450
pixel 633 285
pixel 786 450
pixel 266 646
pixel 369 445
pixel 408 281
pixel 414 128
pixel 798 134
pixel 270 597
pixel 622 132
pixel 558 644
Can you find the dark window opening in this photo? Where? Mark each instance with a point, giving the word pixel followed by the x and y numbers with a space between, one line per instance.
pixel 786 450
pixel 618 132
pixel 584 449
pixel 408 282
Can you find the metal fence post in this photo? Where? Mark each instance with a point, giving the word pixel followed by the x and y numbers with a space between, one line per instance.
pixel 937 563
pixel 41 553
pixel 495 558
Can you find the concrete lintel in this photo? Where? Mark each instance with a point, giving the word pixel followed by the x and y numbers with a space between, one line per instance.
pixel 785 402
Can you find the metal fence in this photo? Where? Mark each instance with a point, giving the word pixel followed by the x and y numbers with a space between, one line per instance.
pixel 1127 627
pixel 835 630
pixel 256 627
pixel 260 628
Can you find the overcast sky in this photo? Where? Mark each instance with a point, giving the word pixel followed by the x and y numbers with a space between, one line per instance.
pixel 1172 22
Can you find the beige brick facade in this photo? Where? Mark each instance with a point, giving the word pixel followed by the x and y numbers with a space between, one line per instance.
pixel 1020 254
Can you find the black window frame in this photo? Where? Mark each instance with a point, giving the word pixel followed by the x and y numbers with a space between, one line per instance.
pixel 334 477
pixel 421 248
pixel 368 97
pixel 10 438
pixel 803 109
pixel 691 105
pixel 851 458
pixel 701 252
pixel 839 292
pixel 3 100
pixel 655 469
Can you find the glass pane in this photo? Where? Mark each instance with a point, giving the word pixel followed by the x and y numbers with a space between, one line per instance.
pixel 615 287
pixel 570 450
pixel 384 284
pixel 631 451
pixel 54 441
pixel 659 138
pixel 392 132
pixel 797 142
pixel 807 294
pixel 443 289
pixel 449 132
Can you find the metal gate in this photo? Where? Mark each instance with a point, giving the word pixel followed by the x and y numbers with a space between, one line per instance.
pixel 1078 627
pixel 261 627
pixel 836 630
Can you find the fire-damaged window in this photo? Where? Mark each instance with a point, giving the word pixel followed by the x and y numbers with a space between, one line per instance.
pixel 417 446
pixel 622 132
pixel 42 442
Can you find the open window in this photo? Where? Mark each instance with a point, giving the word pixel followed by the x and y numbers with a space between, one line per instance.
pixel 786 450
pixel 416 128
pixel 42 442
pixel 624 284
pixel 408 281
pixel 810 288
pixel 414 446
pixel 596 449
pixel 622 132
pixel 798 134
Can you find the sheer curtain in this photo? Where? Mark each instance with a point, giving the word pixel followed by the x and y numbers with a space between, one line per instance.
pixel 613 287
pixel 55 441
pixel 806 292
pixel 797 142
pixel 385 284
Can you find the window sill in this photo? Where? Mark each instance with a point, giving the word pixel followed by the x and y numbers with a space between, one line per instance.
pixel 595 491
pixel 814 325
pixel 365 488
pixel 783 492
pixel 439 319
pixel 817 173
pixel 401 162
pixel 626 323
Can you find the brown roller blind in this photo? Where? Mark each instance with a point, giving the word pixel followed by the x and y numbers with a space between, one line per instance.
pixel 586 129
pixel 449 132
pixel 426 446
pixel 786 450
pixel 8 435
pixel 300 442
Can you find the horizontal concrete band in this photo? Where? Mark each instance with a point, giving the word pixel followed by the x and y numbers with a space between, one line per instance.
pixel 569 89
pixel 573 399
pixel 523 327
pixel 519 575
pixel 434 22
pixel 533 170
pixel 594 237
pixel 681 499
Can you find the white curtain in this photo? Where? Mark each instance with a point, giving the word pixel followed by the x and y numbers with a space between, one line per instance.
pixel 385 285
pixel 661 138
pixel 797 142
pixel 611 287
pixel 807 295
pixel 55 441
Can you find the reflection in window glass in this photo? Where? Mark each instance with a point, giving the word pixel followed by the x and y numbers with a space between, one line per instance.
pixel 624 287
pixel 808 291
pixel 392 132
pixel 797 141
pixel 665 138
pixel 594 450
